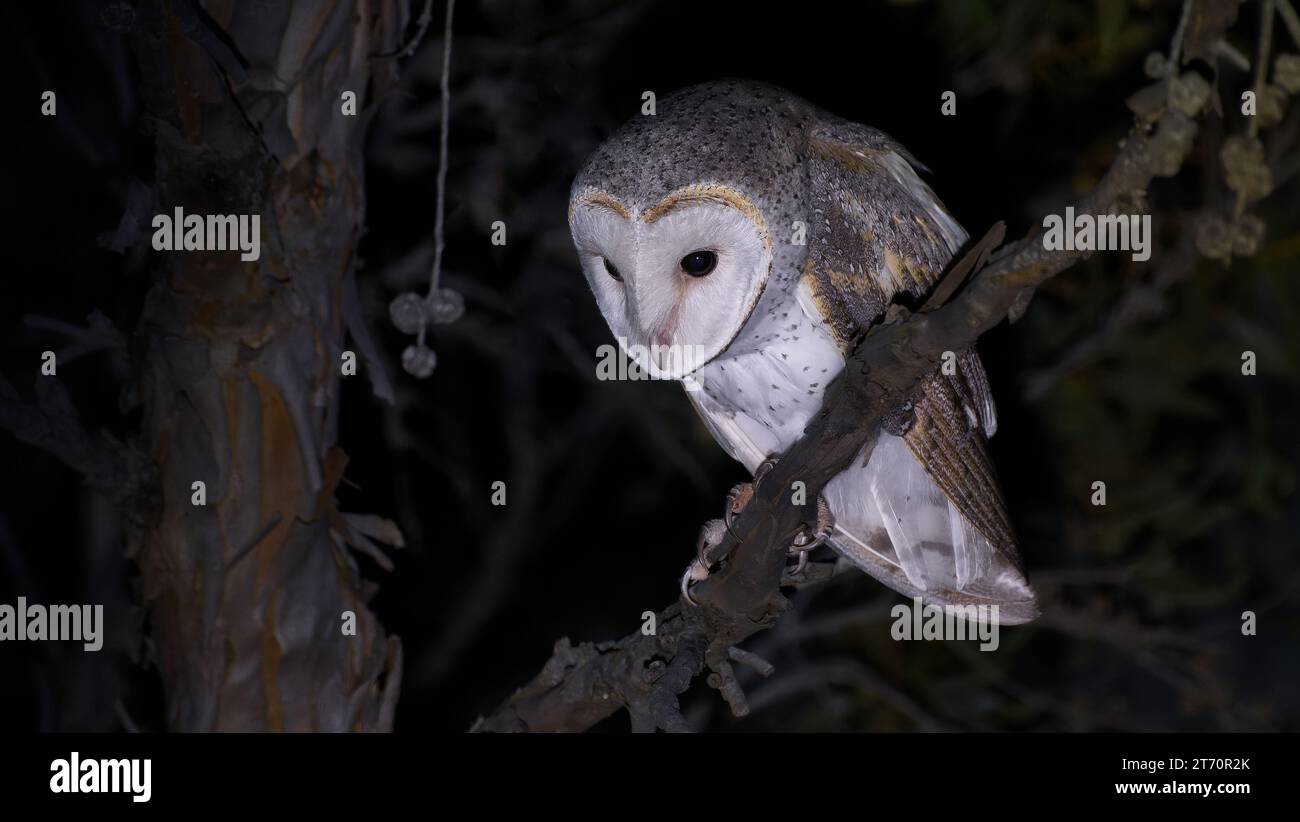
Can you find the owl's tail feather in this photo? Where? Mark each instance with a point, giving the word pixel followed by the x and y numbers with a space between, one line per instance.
pixel 906 533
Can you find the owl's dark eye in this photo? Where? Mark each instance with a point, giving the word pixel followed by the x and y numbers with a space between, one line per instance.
pixel 699 263
pixel 612 270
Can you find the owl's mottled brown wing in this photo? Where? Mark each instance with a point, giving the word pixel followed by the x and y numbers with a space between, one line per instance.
pixel 879 234
pixel 877 231
pixel 952 448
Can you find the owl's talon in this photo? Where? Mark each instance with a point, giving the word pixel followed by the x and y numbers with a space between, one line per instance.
pixel 763 469
pixel 686 586
pixel 805 541
pixel 737 499
pixel 711 536
pixel 807 573
pixel 809 538
pixel 741 494
pixel 695 572
pixel 798 568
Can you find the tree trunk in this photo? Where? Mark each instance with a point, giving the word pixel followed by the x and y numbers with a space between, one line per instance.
pixel 240 365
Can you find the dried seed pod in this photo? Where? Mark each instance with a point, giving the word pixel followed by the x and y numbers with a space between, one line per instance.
pixel 1156 65
pixel 1271 106
pixel 1245 169
pixel 409 312
pixel 1188 93
pixel 118 16
pixel 1286 72
pixel 1149 102
pixel 446 306
pixel 1213 238
pixel 419 360
pixel 1247 233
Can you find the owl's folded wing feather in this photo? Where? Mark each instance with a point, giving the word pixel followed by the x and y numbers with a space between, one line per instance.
pixel 934 524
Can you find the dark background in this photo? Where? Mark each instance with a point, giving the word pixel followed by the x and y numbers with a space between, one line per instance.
pixel 609 482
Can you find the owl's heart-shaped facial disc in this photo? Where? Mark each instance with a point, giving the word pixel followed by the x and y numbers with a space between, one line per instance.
pixel 676 280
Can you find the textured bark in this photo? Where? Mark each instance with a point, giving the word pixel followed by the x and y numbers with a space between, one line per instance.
pixel 240 365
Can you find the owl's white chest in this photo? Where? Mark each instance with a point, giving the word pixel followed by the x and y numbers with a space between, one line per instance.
pixel 760 394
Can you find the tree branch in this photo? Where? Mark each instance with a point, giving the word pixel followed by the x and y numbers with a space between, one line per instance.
pixel 118 470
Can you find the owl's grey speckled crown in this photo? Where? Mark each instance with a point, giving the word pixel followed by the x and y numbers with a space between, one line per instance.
pixel 736 133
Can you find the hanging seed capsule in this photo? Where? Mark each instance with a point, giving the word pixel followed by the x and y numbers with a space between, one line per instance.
pixel 1188 93
pixel 408 312
pixel 1247 233
pixel 1213 238
pixel 446 306
pixel 1272 106
pixel 1245 169
pixel 1156 65
pixel 1286 72
pixel 419 361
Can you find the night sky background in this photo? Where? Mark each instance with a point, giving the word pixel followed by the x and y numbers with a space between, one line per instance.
pixel 609 482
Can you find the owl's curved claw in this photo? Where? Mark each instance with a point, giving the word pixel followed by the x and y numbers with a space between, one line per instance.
pixel 805 541
pixel 711 536
pixel 741 494
pixel 809 538
pixel 687 578
pixel 737 499
pixel 697 571
pixel 798 568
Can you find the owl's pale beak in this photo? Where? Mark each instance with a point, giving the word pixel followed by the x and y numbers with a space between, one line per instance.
pixel 641 310
pixel 658 337
pixel 653 325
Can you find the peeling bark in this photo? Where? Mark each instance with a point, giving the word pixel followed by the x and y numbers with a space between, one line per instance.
pixel 240 366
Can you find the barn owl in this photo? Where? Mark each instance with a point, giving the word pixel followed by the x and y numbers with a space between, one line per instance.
pixel 739 240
